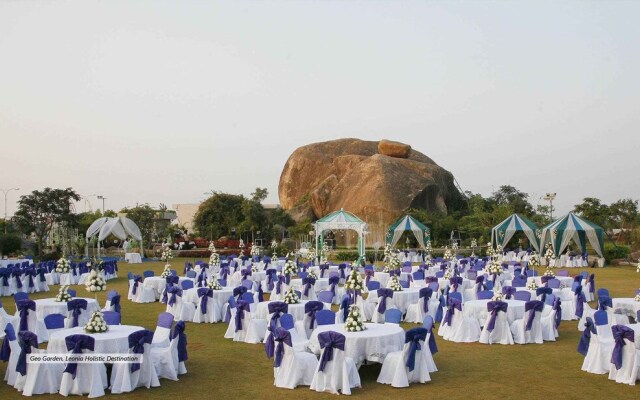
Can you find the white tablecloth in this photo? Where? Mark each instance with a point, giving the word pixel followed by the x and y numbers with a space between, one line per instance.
pixel 296 310
pixel 46 307
pixel 627 306
pixel 478 309
pixel 133 258
pixel 221 297
pixel 372 344
pixel 383 278
pixel 5 262
pixel 321 284
pixel 159 284
pixel 115 340
pixel 401 299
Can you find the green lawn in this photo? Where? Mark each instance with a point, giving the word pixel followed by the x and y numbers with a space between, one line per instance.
pixel 221 368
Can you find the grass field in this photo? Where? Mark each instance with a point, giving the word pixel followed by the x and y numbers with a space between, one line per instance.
pixel 220 368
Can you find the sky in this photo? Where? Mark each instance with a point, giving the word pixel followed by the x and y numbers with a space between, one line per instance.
pixel 164 101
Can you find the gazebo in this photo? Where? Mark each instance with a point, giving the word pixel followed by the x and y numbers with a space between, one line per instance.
pixel 340 220
pixel 407 223
pixel 504 231
pixel 120 227
pixel 573 228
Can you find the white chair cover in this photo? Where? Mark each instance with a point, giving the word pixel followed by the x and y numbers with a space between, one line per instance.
pixel 629 371
pixel 339 375
pixel 501 333
pixel 415 311
pixel 165 361
pixel 42 378
pixel 394 371
pixel 124 381
pixel 598 358
pixel 90 379
pixel 296 368
pixel 523 336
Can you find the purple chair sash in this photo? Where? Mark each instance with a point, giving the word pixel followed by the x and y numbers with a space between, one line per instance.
pixel 137 280
pixel 543 291
pixel 23 307
pixel 115 303
pixel 328 341
pixel 239 291
pixel 455 281
pixel 557 305
pixel 592 283
pixel 344 306
pixel 16 273
pixel 241 307
pixel 137 340
pixel 178 332
pixel 76 306
pixel 260 294
pixel 224 272
pixel 205 294
pixel 414 337
pixel 452 304
pixel 579 300
pixel 5 350
pixel 172 280
pixel 333 281
pixel 425 294
pixel 620 333
pixel 276 308
pixel 27 340
pixel 281 280
pixel 308 284
pixel 430 279
pixel 604 302
pixel 77 343
pixel 173 292
pixel 341 268
pixel 432 341
pixel 310 308
pixel 585 339
pixel 383 295
pixel 532 307
pixel 368 274
pixel 508 291
pixel 494 307
pixel 545 279
pixel 282 336
pixel 323 268
pixel 479 283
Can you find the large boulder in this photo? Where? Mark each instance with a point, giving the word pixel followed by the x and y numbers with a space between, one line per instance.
pixel 377 181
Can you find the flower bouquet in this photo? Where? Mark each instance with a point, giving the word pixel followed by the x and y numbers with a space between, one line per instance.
pixel 291 297
pixel 166 271
pixel 167 254
pixel 241 247
pixel 448 256
pixel 290 268
pixel 255 251
pixel 96 324
pixel 550 256
pixel 394 284
pixel 490 251
pixel 532 285
pixel 274 244
pixel 214 259
pixel 549 273
pixel 214 284
pixel 354 322
pixel 212 247
pixel 393 262
pixel 313 275
pixel 310 255
pixel 63 266
pixel 497 296
pixel 428 248
pixel 494 268
pixel 354 281
pixel 63 295
pixel 95 282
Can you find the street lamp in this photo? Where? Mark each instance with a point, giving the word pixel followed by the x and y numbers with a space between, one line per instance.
pixel 6 191
pixel 100 197
pixel 550 197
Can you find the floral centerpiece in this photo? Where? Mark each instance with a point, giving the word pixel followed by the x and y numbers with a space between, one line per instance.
pixel 241 247
pixel 454 248
pixel 290 268
pixel 549 273
pixel 490 251
pixel 497 296
pixel 212 247
pixel 254 268
pixel 310 255
pixel 393 263
pixel 474 244
pixel 534 261
pixel 214 259
pixel 394 284
pixel 95 282
pixel 166 271
pixel 63 265
pixel 274 244
pixel 428 249
pixel 532 285
pixel 387 252
pixel 255 250
pixel 448 256
pixel 550 256
pixel 96 324
pixel 325 251
pixel 354 281
pixel 63 295
pixel 214 284
pixel 494 268
pixel 637 298
pixel 291 297
pixel 448 273
pixel 312 274
pixel 167 254
pixel 354 322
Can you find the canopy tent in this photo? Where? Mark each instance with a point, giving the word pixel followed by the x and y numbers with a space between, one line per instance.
pixel 120 227
pixel 572 227
pixel 340 220
pixel 504 231
pixel 407 223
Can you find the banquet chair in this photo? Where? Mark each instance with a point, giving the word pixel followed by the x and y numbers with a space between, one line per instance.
pixel 191 274
pixel 625 358
pixel 392 316
pixel 72 292
pixel 299 341
pixel 326 296
pixel 551 322
pixel 10 353
pixel 291 368
pixel 309 292
pixel 472 293
pixel 400 368
pixel 496 327
pixel 456 327
pixel 186 284
pixel 169 362
pixel 603 292
pixel 325 317
pixel 5 318
pixel 78 315
pixel 110 304
pixel 484 295
pixel 335 372
pixel 207 310
pixel 41 280
pixel 181 310
pixel 428 324
pixel 139 292
pixel 518 281
pixel 590 288
pixel 29 321
pixel 522 295
pixel 383 302
pixel 550 299
pixel 127 377
pixel 553 283
pixel 562 272
pixel 239 324
pixel 161 335
pixel 598 358
pixel 54 322
pixel 81 378
pixel 38 378
pixel 112 317
pixel 528 329
pixel 148 273
pixel 259 328
pixel 309 323
pixel 20 296
pixel 427 305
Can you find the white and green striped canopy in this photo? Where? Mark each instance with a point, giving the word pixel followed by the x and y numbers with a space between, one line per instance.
pixel 572 227
pixel 340 220
pixel 407 223
pixel 504 231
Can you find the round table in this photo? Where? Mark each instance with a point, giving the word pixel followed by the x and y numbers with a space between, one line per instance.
pixel 478 309
pixel 373 344
pixel 466 283
pixel 115 340
pixel 159 284
pixel 383 277
pixel 13 261
pixel 627 305
pixel 321 284
pixel 133 258
pixel 401 299
pixel 50 306
pixel 296 310
pixel 221 297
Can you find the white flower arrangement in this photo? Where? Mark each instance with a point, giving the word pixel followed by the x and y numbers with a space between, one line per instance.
pixel 214 259
pixel 290 268
pixel 214 284
pixel 256 251
pixel 354 322
pixel 166 271
pixel 494 268
pixel 274 244
pixel 428 248
pixel 448 274
pixel 387 251
pixel 454 248
pixel 474 243
pixel 310 255
pixel 167 253
pixel 490 251
pixel 291 297
pixel 549 255
pixel 394 284
pixel 354 281
pixel 637 298
pixel 63 265
pixel 241 244
pixel 393 262
pixel 497 296
pixel 532 285
pixel 254 268
pixel 549 272
pixel 95 282
pixel 63 295
pixel 212 247
pixel 96 324
pixel 447 254
pixel 534 261
pixel 313 275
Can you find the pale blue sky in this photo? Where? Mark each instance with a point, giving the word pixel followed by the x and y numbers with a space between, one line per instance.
pixel 161 101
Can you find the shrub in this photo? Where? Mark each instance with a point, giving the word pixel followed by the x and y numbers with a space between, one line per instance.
pixel 613 252
pixel 10 244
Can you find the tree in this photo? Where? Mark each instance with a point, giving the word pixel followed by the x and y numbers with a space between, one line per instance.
pixel 143 215
pixel 509 195
pixel 259 195
pixel 593 210
pixel 623 213
pixel 39 211
pixel 217 215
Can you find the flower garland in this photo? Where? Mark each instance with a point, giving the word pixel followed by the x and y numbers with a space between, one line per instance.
pixel 214 284
pixel 290 268
pixel 532 285
pixel 166 271
pixel 63 295
pixel 354 281
pixel 428 248
pixel 95 282
pixel 167 254
pixel 354 322
pixel 394 284
pixel 291 297
pixel 63 265
pixel 96 324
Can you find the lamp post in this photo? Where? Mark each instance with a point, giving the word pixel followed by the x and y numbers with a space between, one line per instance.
pixel 100 197
pixel 5 192
pixel 550 197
